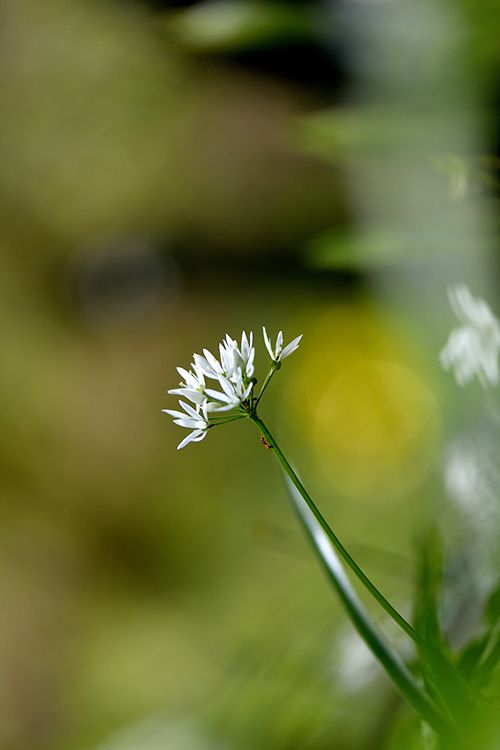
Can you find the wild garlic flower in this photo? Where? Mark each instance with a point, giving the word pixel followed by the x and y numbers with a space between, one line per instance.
pixel 472 348
pixel 193 385
pixel 195 419
pixel 277 353
pixel 233 359
pixel 232 390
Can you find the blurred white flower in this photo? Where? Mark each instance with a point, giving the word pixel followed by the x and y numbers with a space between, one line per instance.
pixel 354 664
pixel 158 732
pixel 471 480
pixel 472 349
pixel 278 352
pixel 466 479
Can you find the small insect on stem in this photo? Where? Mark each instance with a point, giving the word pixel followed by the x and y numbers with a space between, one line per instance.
pixel 264 442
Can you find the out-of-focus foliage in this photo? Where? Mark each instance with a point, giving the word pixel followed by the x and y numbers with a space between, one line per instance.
pixel 225 26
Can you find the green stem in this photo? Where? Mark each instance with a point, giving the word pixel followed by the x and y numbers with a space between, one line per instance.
pixel 358 572
pixel 235 418
pixel 320 534
pixel 266 382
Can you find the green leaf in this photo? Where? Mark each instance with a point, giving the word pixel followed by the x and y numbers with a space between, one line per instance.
pixel 489 665
pixel 492 608
pixel 383 651
pixel 440 673
pixel 428 589
pixel 471 656
pixel 480 659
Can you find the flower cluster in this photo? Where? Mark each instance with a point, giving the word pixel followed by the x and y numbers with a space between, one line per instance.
pixel 472 348
pixel 232 378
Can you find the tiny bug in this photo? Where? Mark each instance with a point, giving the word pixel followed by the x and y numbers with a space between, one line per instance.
pixel 264 442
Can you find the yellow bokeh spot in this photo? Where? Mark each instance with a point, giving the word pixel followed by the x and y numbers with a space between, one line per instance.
pixel 369 411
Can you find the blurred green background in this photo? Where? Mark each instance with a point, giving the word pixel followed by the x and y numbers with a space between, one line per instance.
pixel 172 171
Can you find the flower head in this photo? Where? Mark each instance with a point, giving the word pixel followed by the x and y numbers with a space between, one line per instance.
pixel 472 348
pixel 233 373
pixel 216 386
pixel 278 352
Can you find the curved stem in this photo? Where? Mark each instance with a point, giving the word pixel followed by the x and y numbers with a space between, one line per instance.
pixel 358 572
pixel 322 538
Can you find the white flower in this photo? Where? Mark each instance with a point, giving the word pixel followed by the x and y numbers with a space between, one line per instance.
pixel 233 358
pixel 193 385
pixel 472 349
pixel 278 352
pixel 208 364
pixel 232 390
pixel 354 665
pixel 192 419
pixel 234 376
pixel 471 478
pixel 233 393
pixel 244 355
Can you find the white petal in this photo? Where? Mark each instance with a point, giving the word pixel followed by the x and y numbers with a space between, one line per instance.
pixel 250 367
pixel 291 347
pixel 173 413
pixel 195 396
pixel 247 392
pixel 267 342
pixel 279 342
pixel 202 363
pixel 239 360
pixel 201 437
pixel 211 406
pixel 212 361
pixel 187 422
pixel 204 410
pixel 219 396
pixel 198 374
pixel 228 357
pixel 189 379
pixel 189 410
pixel 226 385
pixel 244 343
pixel 195 437
pixel 185 375
pixel 215 408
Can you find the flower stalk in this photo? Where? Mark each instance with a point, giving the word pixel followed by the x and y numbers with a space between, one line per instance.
pixel 342 551
pixel 319 533
pixel 221 391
